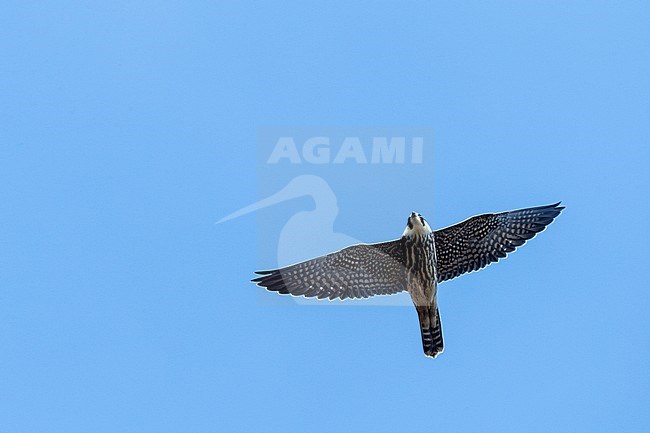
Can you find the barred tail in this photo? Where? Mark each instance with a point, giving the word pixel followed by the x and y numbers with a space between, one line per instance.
pixel 431 330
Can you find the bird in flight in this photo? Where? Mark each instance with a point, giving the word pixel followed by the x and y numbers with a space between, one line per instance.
pixel 416 262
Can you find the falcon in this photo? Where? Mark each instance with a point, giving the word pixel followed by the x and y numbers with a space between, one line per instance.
pixel 416 262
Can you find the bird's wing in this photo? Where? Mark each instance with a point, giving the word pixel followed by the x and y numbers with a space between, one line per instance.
pixel 358 271
pixel 483 239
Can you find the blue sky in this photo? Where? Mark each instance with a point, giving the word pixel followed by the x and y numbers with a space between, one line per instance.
pixel 130 128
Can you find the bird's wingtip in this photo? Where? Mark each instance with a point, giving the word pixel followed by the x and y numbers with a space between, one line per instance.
pixel 263 275
pixel 263 272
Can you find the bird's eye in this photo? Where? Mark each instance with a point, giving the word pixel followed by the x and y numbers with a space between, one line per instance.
pixel 409 223
pixel 423 221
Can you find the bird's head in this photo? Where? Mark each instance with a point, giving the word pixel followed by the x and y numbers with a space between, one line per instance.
pixel 416 225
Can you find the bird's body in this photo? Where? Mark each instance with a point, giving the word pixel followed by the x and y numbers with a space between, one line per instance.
pixel 416 262
pixel 421 282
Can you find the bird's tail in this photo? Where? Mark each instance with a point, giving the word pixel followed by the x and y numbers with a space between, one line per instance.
pixel 431 330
